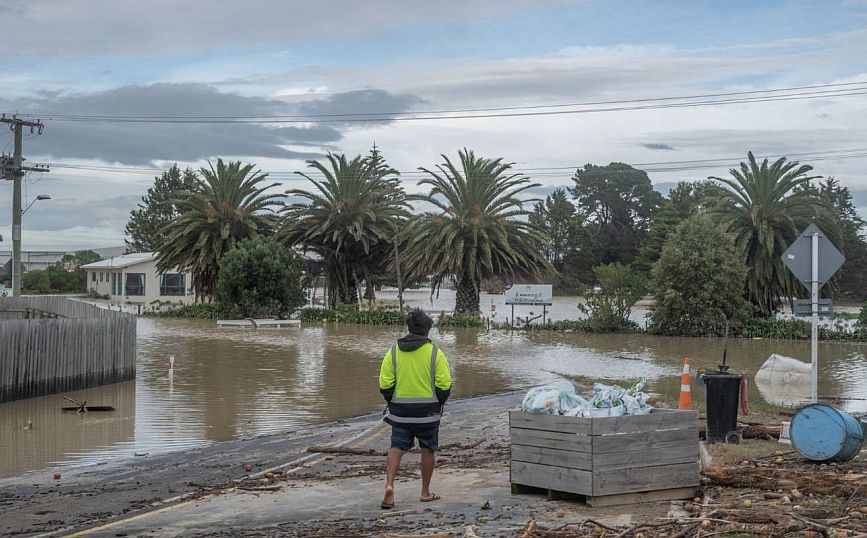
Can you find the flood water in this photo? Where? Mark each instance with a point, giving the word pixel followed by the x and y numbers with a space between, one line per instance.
pixel 236 383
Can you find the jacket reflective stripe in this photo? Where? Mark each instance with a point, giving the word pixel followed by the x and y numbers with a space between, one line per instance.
pixel 413 420
pixel 433 376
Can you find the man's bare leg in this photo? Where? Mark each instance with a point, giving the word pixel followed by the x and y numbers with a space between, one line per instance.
pixel 428 462
pixel 391 468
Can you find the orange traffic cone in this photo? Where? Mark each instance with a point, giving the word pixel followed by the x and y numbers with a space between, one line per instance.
pixel 685 392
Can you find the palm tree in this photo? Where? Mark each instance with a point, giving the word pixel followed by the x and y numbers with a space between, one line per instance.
pixel 349 219
pixel 229 204
pixel 765 207
pixel 478 230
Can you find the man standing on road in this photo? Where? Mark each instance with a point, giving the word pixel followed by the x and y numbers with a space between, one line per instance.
pixel 415 381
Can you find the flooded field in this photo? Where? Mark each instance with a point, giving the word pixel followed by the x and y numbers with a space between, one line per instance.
pixel 235 383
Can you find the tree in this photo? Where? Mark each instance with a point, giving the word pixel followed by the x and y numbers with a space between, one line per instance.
pixel 691 197
pixel 64 276
pixel 663 225
pixel 851 281
pixel 698 282
pixel 349 219
pixel 569 245
pixel 36 281
pixel 618 203
pixel 765 207
pixel 229 204
pixel 556 216
pixel 260 278
pixel 476 231
pixel 147 222
pixel 609 307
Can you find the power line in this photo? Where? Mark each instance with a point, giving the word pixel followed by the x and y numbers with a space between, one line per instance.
pixel 657 166
pixel 836 90
pixel 455 111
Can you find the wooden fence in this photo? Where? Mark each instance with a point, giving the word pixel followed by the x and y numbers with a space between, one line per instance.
pixel 83 346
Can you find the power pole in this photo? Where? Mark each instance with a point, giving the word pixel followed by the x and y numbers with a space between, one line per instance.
pixel 13 169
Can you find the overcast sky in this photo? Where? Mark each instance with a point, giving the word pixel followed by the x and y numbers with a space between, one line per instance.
pixel 278 57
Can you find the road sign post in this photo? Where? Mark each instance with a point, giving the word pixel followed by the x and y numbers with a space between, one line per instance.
pixel 813 259
pixel 814 334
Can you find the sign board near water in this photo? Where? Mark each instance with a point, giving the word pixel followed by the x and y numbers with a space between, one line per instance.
pixel 798 257
pixel 813 259
pixel 804 307
pixel 530 294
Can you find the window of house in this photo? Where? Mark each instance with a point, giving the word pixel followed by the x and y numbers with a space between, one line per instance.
pixel 173 284
pixel 114 284
pixel 100 276
pixel 93 276
pixel 119 283
pixel 135 284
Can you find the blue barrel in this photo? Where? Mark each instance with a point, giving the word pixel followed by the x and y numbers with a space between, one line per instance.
pixel 820 432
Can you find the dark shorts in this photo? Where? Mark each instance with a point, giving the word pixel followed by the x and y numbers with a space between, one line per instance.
pixel 404 436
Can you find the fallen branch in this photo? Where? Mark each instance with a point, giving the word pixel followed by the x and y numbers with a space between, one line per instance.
pixel 345 450
pixel 810 480
pixel 686 530
pixel 462 446
pixel 598 524
pixel 760 431
pixel 260 488
pixel 399 513
pixel 642 526
pixel 528 529
pixel 437 535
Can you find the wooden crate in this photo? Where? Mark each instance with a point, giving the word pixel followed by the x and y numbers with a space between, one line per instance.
pixel 613 460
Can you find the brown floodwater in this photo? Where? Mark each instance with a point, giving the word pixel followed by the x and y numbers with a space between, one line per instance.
pixel 231 383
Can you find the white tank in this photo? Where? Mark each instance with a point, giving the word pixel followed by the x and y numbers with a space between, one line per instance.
pixel 784 381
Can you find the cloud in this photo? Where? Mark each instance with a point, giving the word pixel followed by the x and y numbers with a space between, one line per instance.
pixel 61 214
pixel 144 143
pixel 360 101
pixel 659 146
pixel 116 27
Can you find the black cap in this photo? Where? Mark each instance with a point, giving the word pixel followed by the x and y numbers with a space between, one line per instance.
pixel 418 322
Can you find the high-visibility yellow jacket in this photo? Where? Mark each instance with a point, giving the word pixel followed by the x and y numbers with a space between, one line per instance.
pixel 415 380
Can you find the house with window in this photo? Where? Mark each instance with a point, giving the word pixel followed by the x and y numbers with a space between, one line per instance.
pixel 134 279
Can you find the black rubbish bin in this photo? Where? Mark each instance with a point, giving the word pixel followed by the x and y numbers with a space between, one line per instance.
pixel 723 394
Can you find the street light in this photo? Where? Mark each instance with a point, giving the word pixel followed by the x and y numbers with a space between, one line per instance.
pixel 40 197
pixel 16 250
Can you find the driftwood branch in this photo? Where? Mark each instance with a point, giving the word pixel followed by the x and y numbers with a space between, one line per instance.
pixel 345 450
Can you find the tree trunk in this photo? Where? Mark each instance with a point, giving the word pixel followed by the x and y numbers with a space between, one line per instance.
pixel 467 296
pixel 346 292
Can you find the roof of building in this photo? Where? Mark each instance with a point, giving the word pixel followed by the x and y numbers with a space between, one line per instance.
pixel 119 262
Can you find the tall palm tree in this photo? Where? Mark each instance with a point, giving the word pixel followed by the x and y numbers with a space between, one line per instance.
pixel 349 219
pixel 765 207
pixel 478 230
pixel 229 204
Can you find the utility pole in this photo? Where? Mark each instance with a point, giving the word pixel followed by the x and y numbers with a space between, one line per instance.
pixel 14 170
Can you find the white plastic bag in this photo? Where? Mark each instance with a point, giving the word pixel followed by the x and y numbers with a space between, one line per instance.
pixel 556 398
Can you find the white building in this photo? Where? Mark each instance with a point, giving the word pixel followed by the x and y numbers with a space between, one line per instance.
pixel 134 279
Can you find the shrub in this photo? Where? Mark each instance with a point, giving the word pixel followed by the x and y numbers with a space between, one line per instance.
pixel 351 314
pixel 862 318
pixel 697 282
pixel 794 329
pixel 608 309
pixel 260 278
pixel 463 320
pixel 200 311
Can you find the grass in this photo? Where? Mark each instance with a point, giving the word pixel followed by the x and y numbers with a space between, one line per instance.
pixel 748 449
